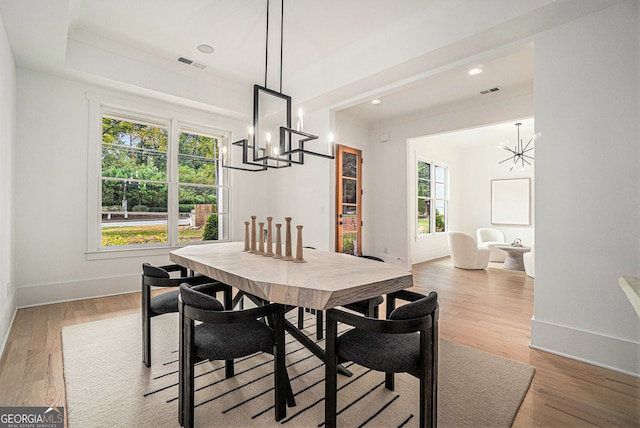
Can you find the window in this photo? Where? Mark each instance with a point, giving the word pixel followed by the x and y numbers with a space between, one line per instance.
pixel 161 182
pixel 432 200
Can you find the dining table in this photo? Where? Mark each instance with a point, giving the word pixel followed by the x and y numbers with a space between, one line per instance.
pixel 324 280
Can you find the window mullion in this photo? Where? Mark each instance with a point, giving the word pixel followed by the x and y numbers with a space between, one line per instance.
pixel 432 199
pixel 172 201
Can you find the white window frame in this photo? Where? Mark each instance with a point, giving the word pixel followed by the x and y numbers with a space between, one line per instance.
pixel 176 121
pixel 432 183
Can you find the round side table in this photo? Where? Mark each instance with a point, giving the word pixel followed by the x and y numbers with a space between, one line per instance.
pixel 514 256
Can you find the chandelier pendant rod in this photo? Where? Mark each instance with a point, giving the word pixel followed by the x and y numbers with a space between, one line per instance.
pixel 266 48
pixel 281 38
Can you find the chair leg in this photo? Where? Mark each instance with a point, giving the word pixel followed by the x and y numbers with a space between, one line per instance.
pixel 428 383
pixel 229 371
pixel 188 401
pixel 371 309
pixel 181 362
pixel 389 381
pixel 228 299
pixel 280 369
pixel 146 325
pixel 331 377
pixel 433 369
pixel 319 325
pixel 300 318
pixel 424 396
pixel 187 383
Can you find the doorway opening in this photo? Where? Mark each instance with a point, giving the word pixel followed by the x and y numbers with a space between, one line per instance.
pixel 348 200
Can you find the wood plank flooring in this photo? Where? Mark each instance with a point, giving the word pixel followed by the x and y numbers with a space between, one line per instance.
pixel 488 310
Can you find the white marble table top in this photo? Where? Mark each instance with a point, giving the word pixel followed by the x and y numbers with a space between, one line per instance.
pixel 327 280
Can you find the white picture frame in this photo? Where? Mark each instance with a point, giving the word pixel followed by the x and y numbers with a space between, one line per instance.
pixel 510 201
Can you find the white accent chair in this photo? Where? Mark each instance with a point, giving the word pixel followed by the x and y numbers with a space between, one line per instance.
pixel 489 238
pixel 529 263
pixel 465 253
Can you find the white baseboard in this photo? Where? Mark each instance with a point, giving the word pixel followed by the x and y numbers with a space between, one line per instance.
pixel 6 322
pixel 604 351
pixel 43 294
pixel 420 256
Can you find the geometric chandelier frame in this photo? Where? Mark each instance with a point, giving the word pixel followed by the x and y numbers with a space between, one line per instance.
pixel 272 142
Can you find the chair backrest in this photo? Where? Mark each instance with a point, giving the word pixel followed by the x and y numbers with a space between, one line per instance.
pixel 200 300
pixel 154 271
pixel 419 308
pixel 459 241
pixel 487 234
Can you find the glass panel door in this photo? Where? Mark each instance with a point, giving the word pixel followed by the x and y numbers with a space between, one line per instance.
pixel 348 201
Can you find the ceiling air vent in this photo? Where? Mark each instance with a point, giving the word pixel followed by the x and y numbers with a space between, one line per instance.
pixel 491 90
pixel 191 63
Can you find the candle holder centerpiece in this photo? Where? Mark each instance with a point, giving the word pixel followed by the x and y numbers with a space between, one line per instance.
pixel 288 256
pixel 299 258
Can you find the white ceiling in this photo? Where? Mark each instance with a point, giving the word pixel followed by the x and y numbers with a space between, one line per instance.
pixel 496 135
pixel 337 53
pixel 509 71
pixel 313 30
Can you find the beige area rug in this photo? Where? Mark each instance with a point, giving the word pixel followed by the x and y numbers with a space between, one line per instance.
pixel 107 385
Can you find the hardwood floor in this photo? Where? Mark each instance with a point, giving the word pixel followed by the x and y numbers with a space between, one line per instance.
pixel 488 310
pixel 491 310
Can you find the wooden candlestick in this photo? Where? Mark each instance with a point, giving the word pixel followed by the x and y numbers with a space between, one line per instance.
pixel 287 241
pixel 253 235
pixel 278 242
pixel 261 240
pixel 246 236
pixel 299 258
pixel 269 252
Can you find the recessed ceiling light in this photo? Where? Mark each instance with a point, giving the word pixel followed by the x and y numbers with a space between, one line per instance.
pixel 376 102
pixel 474 71
pixel 205 49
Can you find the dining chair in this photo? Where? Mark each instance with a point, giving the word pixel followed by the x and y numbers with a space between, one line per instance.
pixel 368 308
pixel 160 276
pixel 226 335
pixel 407 341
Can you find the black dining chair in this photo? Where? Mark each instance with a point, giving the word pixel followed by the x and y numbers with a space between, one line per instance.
pixel 164 303
pixel 405 342
pixel 368 308
pixel 226 335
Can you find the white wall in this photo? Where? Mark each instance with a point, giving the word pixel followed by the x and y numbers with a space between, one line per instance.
pixel 7 146
pixel 51 194
pixel 390 220
pixel 353 134
pixel 587 200
pixel 304 192
pixel 480 166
